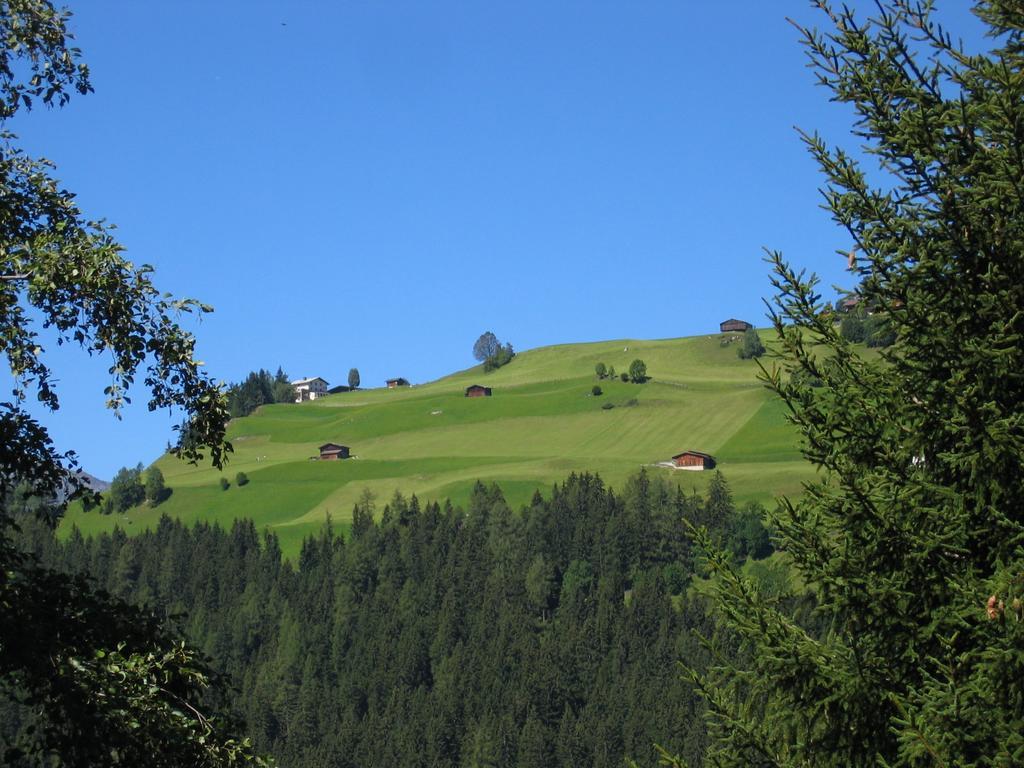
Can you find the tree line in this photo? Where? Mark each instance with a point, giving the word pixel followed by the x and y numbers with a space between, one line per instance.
pixel 433 636
pixel 259 388
pixel 637 372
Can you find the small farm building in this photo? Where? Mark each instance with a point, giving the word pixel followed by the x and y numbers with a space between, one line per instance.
pixel 333 452
pixel 732 324
pixel 475 390
pixel 848 303
pixel 693 460
pixel 309 389
pixel 399 382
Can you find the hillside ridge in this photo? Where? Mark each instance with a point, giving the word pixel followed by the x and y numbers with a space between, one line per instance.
pixel 542 422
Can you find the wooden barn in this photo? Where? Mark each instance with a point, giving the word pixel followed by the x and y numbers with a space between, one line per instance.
pixel 333 452
pixel 399 382
pixel 476 390
pixel 848 303
pixel 693 460
pixel 732 324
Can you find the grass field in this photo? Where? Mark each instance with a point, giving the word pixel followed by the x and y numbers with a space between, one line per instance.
pixel 541 423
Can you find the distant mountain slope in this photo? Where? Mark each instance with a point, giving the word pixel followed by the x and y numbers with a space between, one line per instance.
pixel 94 482
pixel 541 423
pixel 91 482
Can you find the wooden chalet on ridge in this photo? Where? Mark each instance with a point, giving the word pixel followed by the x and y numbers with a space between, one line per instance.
pixel 476 390
pixel 732 324
pixel 333 452
pixel 399 382
pixel 694 460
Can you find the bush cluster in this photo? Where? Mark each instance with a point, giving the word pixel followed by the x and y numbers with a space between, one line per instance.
pixel 502 356
pixel 130 489
pixel 752 346
pixel 638 371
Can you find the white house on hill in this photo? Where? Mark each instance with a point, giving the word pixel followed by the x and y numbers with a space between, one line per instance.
pixel 309 389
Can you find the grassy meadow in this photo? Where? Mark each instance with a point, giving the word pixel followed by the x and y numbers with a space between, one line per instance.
pixel 541 423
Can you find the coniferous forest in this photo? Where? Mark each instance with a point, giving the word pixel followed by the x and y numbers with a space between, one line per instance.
pixel 435 636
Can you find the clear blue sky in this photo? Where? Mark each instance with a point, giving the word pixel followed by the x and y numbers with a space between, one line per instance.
pixel 372 185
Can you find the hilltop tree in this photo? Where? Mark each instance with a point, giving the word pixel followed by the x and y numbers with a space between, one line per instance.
pixel 282 389
pixel 752 346
pixel 502 356
pixel 638 371
pixel 104 683
pixel 491 352
pixel 910 544
pixel 486 346
pixel 353 378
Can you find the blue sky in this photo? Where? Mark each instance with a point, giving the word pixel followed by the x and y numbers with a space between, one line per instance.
pixel 373 185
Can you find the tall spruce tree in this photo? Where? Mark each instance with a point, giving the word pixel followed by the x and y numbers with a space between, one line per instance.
pixel 910 544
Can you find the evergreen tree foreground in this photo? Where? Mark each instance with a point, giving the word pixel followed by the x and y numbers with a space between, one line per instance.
pixel 910 545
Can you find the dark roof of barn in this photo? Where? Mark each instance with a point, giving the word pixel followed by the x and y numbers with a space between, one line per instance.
pixel 332 446
pixel 694 453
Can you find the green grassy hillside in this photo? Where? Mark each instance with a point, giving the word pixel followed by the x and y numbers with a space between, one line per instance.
pixel 540 424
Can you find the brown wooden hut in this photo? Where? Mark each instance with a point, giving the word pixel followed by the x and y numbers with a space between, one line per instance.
pixel 849 303
pixel 333 452
pixel 477 390
pixel 732 324
pixel 399 382
pixel 693 460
